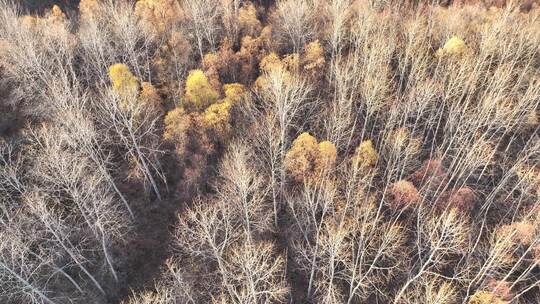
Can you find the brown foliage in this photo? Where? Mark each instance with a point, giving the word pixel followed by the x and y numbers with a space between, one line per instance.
pixel 402 195
pixel 242 66
pixel 430 175
pixel 500 289
pixel 158 16
pixel 248 22
pixel 463 199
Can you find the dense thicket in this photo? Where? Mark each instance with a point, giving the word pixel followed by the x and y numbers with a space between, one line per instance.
pixel 289 151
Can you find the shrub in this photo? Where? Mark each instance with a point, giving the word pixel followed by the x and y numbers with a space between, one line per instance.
pixel 462 199
pixel 500 289
pixel 199 94
pixel 522 232
pixel 455 46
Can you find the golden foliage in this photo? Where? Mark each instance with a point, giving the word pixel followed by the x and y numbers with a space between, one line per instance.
pixel 158 15
pixel 365 155
pixel 187 132
pixel 211 60
pixel 56 14
pixel 307 159
pixel 455 46
pixel 234 92
pixel 199 94
pixel 485 297
pixel 173 124
pixel 521 233
pixel 301 159
pixel 328 154
pixel 89 9
pixel 29 21
pixel 291 62
pixel 217 117
pixel 150 96
pixel 402 140
pixel 247 20
pixel 123 81
pixel 54 20
pixel 313 57
pixel 270 62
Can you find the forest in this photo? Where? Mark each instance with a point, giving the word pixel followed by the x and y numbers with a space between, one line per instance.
pixel 269 151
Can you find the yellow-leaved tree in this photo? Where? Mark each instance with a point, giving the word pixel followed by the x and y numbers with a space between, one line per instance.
pixel 123 81
pixel 365 155
pixel 199 94
pixel 327 155
pixel 217 117
pixel 307 159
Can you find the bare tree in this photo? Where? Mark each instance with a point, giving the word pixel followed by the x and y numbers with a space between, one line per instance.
pixel 296 22
pixel 285 96
pixel 135 124
pixel 204 23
